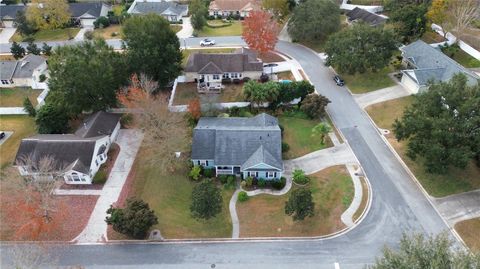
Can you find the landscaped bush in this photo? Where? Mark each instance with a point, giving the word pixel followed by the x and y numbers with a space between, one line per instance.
pixel 279 184
pixel 242 196
pixel 243 184
pixel 223 178
pixel 88 35
pixel 285 147
pixel 262 183
pixel 42 77
pixel 195 173
pixel 264 78
pixel 208 172
pixel 249 181
pixel 100 177
pixel 226 80
pixel 299 177
pixel 246 79
pixel 231 180
pixel 236 81
pixel 101 22
pixel 126 120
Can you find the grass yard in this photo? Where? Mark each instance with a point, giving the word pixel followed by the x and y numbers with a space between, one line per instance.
pixel 298 135
pixel 465 59
pixel 186 53
pixel 230 29
pixel 364 202
pixel 431 37
pixel 187 92
pixel 22 126
pixel 455 181
pixel 469 230
pixel 49 35
pixel 13 97
pixel 368 81
pixel 270 57
pixel 112 31
pixel 176 27
pixel 264 215
pixel 169 195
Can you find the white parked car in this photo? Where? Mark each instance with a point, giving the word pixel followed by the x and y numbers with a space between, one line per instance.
pixel 207 42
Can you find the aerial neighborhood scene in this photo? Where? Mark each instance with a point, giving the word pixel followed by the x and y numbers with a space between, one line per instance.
pixel 240 133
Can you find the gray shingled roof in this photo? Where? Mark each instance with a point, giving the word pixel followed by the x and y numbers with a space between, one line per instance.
pixel 23 68
pixel 67 151
pixel 365 16
pixel 160 8
pixel 84 9
pixel 432 64
pixel 238 141
pixel 98 124
pixel 238 61
pixel 9 12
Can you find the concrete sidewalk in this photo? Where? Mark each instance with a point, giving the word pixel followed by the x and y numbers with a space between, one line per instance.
pixel 458 207
pixel 6 34
pixel 129 141
pixel 381 95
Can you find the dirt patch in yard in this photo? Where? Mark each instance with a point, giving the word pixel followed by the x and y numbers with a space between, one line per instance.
pixel 264 215
pixel 469 230
pixel 270 57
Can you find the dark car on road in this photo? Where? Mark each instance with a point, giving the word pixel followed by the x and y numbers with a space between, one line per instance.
pixel 338 80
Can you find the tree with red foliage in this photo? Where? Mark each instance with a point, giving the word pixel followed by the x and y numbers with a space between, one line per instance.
pixel 194 108
pixel 260 31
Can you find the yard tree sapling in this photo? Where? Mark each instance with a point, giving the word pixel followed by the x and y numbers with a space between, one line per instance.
pixel 32 48
pixel 17 50
pixel 360 48
pixel 86 77
pixel 418 251
pixel 260 31
pixel 314 105
pixel 300 204
pixel 194 108
pixel 164 132
pixel 195 172
pixel 322 129
pixel 48 14
pixel 206 200
pixel 142 36
pixel 52 118
pixel 46 49
pixel 437 13
pixel 134 220
pixel 314 20
pixel 442 125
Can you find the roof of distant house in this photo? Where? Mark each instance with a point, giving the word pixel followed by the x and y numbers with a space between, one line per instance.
pixel 9 12
pixel 365 16
pixel 69 151
pixel 88 9
pixel 97 124
pixel 241 142
pixel 160 8
pixel 431 63
pixel 218 63
pixel 234 5
pixel 23 68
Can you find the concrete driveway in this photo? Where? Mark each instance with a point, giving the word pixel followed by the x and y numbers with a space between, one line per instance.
pixel 6 34
pixel 458 207
pixel 187 29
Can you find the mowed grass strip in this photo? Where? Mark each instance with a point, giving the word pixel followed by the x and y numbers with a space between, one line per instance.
pixel 264 215
pixel 22 126
pixel 186 53
pixel 368 81
pixel 298 135
pixel 231 29
pixel 169 195
pixel 49 35
pixel 454 181
pixel 469 230
pixel 13 97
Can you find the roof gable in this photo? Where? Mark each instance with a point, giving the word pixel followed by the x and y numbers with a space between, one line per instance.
pixel 98 124
pixel 239 61
pixel 234 5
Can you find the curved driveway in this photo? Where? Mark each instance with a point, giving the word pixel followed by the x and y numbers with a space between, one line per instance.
pixel 397 206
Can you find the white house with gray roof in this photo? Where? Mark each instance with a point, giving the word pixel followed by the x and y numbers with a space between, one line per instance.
pixel 8 13
pixel 427 64
pixel 23 73
pixel 246 147
pixel 172 11
pixel 77 156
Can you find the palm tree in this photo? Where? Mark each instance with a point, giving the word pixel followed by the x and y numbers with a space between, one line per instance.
pixel 321 129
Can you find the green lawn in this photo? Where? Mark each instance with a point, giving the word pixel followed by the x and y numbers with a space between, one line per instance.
pixel 469 230
pixel 22 126
pixel 186 53
pixel 176 27
pixel 13 97
pixel 466 60
pixel 187 92
pixel 455 181
pixel 298 135
pixel 169 195
pixel 368 81
pixel 233 29
pixel 49 35
pixel 264 215
pixel 112 31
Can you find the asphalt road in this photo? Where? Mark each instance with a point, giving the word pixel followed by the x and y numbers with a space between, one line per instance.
pixel 398 206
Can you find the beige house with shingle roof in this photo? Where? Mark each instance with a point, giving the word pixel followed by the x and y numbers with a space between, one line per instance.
pixel 224 8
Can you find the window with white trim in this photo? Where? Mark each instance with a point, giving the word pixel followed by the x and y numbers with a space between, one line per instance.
pixel 225 75
pixel 270 174
pixel 216 77
pixel 203 162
